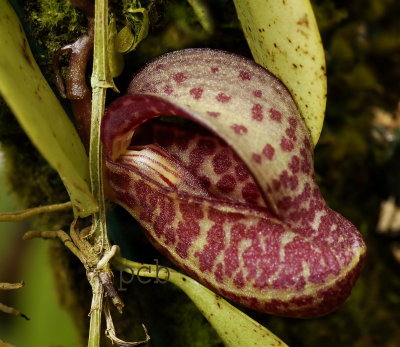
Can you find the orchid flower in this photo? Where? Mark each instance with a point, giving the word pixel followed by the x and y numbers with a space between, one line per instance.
pixel 235 202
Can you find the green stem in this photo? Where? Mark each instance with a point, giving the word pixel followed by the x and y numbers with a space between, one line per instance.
pixel 121 262
pixel 100 81
pixel 203 14
pixel 95 311
pixel 95 160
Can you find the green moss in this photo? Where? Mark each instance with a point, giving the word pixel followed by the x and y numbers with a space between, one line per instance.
pixel 54 23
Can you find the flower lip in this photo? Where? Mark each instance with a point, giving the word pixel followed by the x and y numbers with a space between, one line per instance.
pixel 119 131
pixel 117 127
pixel 300 260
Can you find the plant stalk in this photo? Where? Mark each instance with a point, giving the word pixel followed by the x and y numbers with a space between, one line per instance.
pixel 100 81
pixel 95 310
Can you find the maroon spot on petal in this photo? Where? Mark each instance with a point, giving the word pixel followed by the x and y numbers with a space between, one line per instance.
pixel 276 184
pixel 218 273
pixel 286 144
pixel 285 203
pixel 307 143
pixel 149 87
pixel 168 89
pixel 275 115
pixel 189 228
pixel 291 133
pixel 221 162
pixel 269 151
pixel 257 93
pixel 182 142
pixel 205 181
pixel 241 172
pixel 245 75
pixel 293 182
pixel 305 163
pixel 239 280
pixel 256 157
pixel 250 192
pixel 214 69
pixel 196 158
pixel 207 147
pixel 214 114
pixel 294 164
pixel 215 244
pixel 169 236
pixel 196 93
pixel 257 112
pixel 284 178
pixel 179 77
pixel 160 67
pixel 293 122
pixel 216 216
pixel 226 184
pixel 239 129
pixel 222 97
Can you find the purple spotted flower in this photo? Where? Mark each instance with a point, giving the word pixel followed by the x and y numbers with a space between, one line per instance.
pixel 234 203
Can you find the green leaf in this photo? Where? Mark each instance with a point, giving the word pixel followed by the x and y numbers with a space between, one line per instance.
pixel 141 26
pixel 115 59
pixel 39 112
pixel 203 13
pixel 233 326
pixel 124 40
pixel 283 37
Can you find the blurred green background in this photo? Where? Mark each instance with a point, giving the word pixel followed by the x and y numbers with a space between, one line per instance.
pixel 29 261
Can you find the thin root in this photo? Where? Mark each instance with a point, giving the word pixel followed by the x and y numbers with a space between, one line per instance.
pixel 32 212
pixel 110 331
pixel 11 286
pixel 60 234
pixel 11 310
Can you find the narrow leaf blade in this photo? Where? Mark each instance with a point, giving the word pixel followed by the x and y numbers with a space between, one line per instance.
pixel 233 326
pixel 283 37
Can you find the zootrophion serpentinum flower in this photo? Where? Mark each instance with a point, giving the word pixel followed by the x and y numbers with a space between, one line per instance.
pixel 234 202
